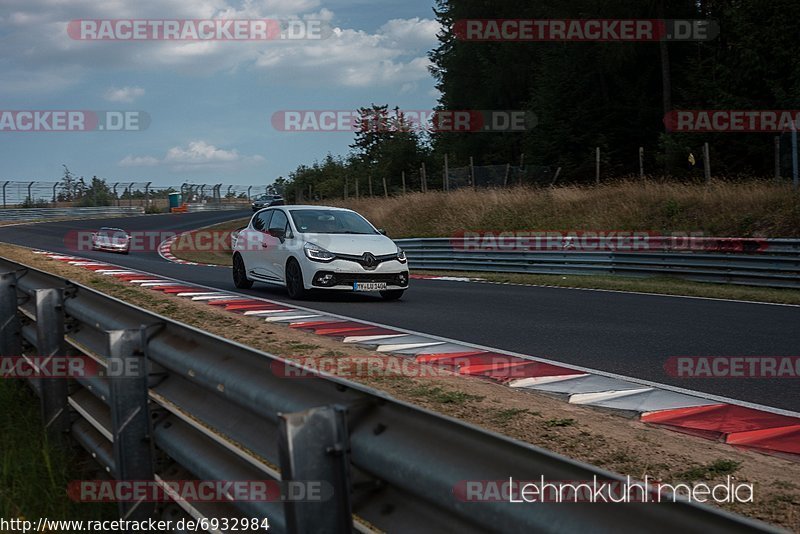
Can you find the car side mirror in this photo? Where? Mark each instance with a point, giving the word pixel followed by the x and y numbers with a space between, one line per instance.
pixel 382 231
pixel 280 233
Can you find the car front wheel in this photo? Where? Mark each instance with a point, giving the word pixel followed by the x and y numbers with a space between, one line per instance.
pixel 392 294
pixel 294 280
pixel 240 274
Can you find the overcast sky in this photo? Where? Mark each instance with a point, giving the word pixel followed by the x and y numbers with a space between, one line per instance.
pixel 209 103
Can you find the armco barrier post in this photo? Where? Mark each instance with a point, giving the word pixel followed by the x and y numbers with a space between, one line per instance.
pixel 49 344
pixel 10 340
pixel 314 448
pixel 130 419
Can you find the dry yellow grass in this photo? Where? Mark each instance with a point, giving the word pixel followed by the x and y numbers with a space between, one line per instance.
pixel 739 209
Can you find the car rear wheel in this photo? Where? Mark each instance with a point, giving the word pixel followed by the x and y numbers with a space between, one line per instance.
pixel 240 273
pixel 392 294
pixel 294 280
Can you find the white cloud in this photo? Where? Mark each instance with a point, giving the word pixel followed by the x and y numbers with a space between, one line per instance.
pixel 123 94
pixel 393 55
pixel 196 155
pixel 413 33
pixel 138 161
pixel 200 152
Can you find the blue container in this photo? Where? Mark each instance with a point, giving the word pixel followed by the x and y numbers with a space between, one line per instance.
pixel 174 200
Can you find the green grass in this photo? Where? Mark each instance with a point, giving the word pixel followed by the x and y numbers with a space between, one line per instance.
pixel 301 346
pixel 557 423
pixel 506 416
pixel 212 257
pixel 660 285
pixel 715 469
pixel 440 395
pixel 34 473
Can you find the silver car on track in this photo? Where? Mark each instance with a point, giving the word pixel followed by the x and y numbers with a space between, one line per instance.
pixel 111 240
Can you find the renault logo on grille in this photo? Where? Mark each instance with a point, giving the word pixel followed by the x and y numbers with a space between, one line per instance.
pixel 369 260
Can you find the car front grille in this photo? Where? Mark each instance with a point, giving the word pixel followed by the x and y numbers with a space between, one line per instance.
pixel 361 261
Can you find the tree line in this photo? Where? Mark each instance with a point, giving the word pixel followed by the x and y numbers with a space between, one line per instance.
pixel 585 95
pixel 615 95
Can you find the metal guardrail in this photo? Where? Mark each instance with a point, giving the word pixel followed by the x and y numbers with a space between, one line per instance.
pixel 18 193
pixel 191 208
pixel 29 214
pixel 211 409
pixel 775 264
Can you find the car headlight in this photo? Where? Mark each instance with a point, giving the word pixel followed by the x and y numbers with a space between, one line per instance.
pixel 317 253
pixel 401 255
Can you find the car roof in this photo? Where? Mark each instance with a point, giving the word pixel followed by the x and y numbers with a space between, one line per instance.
pixel 112 228
pixel 313 207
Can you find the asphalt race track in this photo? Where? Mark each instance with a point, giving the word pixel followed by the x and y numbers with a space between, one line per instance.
pixel 626 334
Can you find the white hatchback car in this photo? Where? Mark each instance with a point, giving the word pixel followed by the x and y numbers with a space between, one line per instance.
pixel 318 247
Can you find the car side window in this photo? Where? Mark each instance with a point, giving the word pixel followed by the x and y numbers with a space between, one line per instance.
pixel 279 221
pixel 261 220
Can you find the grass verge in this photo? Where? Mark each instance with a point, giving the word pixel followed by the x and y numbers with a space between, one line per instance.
pixel 661 285
pixel 192 246
pixel 34 472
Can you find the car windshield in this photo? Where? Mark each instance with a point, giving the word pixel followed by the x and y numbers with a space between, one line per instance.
pixel 312 221
pixel 111 233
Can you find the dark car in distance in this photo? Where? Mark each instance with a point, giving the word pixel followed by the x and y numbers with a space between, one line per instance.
pixel 267 201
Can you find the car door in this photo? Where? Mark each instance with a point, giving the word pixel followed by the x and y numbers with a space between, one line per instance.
pixel 250 242
pixel 276 252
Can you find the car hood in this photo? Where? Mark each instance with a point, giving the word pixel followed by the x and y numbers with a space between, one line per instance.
pixel 351 244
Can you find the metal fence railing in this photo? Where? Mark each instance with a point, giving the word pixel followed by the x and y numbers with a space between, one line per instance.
pixel 199 407
pixel 485 176
pixel 82 192
pixel 771 262
pixel 30 214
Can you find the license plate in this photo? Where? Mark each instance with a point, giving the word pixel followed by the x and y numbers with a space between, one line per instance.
pixel 369 286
